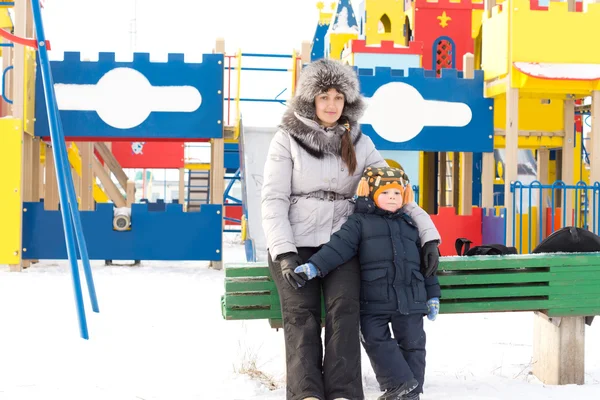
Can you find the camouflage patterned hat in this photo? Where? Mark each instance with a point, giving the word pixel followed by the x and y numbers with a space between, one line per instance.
pixel 376 180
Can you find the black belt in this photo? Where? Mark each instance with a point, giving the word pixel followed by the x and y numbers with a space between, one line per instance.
pixel 329 196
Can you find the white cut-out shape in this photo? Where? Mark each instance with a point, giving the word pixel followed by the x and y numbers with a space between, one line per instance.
pixel 124 98
pixel 398 112
pixel 137 147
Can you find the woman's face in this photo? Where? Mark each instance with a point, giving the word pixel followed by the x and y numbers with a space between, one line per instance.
pixel 329 107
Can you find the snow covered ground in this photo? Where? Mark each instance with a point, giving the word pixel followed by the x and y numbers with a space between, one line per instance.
pixel 160 335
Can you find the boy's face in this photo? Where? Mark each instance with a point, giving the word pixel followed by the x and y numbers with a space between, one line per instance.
pixel 390 200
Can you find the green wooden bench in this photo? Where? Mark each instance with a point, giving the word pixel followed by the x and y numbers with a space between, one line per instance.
pixel 562 289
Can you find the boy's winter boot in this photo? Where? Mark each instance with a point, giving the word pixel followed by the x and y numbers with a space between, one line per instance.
pixel 411 396
pixel 398 392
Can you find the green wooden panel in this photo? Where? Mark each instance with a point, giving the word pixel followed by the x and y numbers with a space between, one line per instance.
pixel 456 263
pixel 490 292
pixel 246 269
pixel 233 285
pixel 573 311
pixel 572 275
pixel 250 300
pixel 584 299
pixel 492 306
pixel 494 278
pixel 251 314
pixel 576 282
pixel 593 269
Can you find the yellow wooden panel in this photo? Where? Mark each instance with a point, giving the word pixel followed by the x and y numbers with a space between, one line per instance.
pixel 29 96
pixel 11 159
pixel 495 37
pixel 375 9
pixel 529 221
pixel 337 41
pixel 197 166
pixel 552 86
pixel 534 115
pixel 539 36
pixel 531 142
pixel 5 20
pixel 476 21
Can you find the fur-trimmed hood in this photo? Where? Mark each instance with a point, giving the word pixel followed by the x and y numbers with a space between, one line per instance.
pixel 299 120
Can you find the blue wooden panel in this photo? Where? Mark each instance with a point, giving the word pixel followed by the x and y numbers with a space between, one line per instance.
pixel 232 157
pixel 476 136
pixel 203 123
pixel 155 235
pixel 318 43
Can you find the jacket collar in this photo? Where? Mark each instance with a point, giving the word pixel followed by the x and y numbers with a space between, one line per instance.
pixel 365 205
pixel 315 139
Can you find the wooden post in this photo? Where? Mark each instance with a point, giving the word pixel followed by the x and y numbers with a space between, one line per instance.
pixel 456 181
pixel 511 155
pixel 568 158
pixel 107 145
pixel 559 349
pixel 86 151
pixel 130 193
pixel 443 181
pixel 217 183
pixel 304 55
pixel 219 46
pixel 466 169
pixel 51 191
pixel 488 177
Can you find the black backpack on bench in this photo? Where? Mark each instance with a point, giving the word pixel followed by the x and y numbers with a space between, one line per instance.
pixel 483 250
pixel 569 239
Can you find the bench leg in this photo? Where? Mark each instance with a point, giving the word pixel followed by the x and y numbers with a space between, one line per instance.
pixel 558 349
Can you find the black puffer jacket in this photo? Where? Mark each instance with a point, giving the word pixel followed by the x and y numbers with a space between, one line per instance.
pixel 388 248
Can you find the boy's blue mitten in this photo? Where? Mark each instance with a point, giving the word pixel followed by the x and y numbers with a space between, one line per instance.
pixel 308 269
pixel 433 305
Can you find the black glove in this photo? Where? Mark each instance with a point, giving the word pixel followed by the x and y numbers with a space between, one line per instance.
pixel 288 262
pixel 431 258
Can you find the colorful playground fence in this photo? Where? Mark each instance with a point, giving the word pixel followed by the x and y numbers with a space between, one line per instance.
pixel 539 210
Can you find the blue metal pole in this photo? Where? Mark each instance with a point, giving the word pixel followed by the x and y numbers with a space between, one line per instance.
pixel 76 218
pixel 58 141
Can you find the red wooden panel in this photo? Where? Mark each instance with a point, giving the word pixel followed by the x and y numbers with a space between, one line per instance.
pixel 452 227
pixel 149 154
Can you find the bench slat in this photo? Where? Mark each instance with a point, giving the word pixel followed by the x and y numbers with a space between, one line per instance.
pixel 494 278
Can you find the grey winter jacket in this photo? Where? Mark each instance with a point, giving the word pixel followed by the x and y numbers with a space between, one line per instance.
pixel 302 159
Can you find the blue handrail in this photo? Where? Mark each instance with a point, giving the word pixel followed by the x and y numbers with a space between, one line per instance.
pixel 6 99
pixel 68 200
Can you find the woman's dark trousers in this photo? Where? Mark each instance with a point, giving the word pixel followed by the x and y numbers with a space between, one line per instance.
pixel 309 374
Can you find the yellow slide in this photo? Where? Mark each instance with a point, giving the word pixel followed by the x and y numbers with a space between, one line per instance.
pixel 75 161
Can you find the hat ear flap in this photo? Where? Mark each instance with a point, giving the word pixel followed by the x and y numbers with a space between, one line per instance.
pixel 363 188
pixel 408 196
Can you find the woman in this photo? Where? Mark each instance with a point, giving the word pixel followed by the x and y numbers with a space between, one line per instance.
pixel 313 167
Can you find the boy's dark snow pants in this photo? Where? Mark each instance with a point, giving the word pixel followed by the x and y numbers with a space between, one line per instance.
pixel 338 374
pixel 395 360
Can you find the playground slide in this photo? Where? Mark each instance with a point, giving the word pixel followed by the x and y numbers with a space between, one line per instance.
pixel 253 142
pixel 75 160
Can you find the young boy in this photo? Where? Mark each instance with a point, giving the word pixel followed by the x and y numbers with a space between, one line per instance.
pixel 393 288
